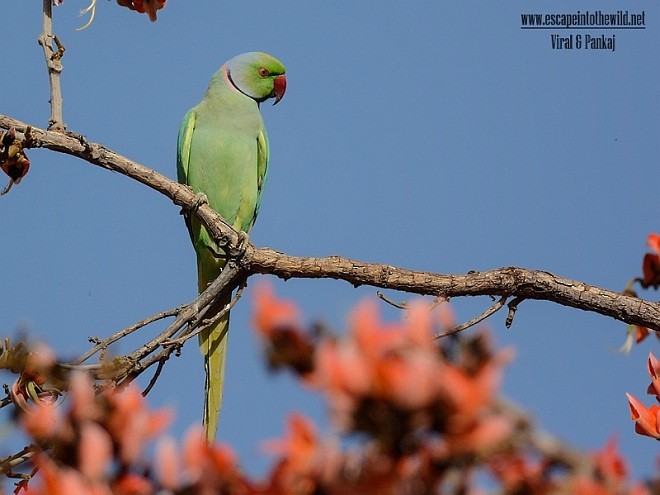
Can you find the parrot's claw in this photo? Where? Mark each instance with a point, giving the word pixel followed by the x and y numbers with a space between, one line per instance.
pixel 241 246
pixel 200 199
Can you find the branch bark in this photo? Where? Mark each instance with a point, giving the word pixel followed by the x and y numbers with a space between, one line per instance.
pixel 520 283
pixel 54 66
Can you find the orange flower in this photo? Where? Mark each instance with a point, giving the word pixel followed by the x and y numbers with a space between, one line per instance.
pixel 653 242
pixel 300 447
pixel 39 382
pixel 43 422
pixel 195 451
pixel 647 421
pixel 654 371
pixel 470 394
pixel 167 464
pixel 288 345
pixel 373 337
pixel 130 422
pixel 94 451
pixel 639 489
pixel 446 316
pixel 340 368
pixel 519 474
pixel 641 333
pixel 610 463
pixel 82 398
pixel 408 380
pixel 223 462
pixel 582 485
pixel 38 365
pixel 306 463
pixel 418 326
pixel 206 467
pixel 651 263
pixel 144 6
pixel 132 484
pixel 482 436
pixel 16 167
pixel 13 161
pixel 651 271
pixel 55 480
pixel 271 314
pixel 402 359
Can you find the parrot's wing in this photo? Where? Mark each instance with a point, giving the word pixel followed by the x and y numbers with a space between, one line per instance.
pixel 262 168
pixel 183 154
pixel 183 145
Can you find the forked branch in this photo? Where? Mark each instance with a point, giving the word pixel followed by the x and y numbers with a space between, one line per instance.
pixel 520 283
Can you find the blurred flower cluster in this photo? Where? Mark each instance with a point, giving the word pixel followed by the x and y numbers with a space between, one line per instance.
pixel 428 415
pixel 411 417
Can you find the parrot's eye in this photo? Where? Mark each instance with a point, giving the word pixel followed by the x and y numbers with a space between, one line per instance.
pixel 263 72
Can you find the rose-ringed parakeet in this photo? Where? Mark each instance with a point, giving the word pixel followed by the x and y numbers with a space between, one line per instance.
pixel 222 153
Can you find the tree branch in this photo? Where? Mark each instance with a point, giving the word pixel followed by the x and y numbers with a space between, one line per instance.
pixel 54 66
pixel 518 283
pixel 188 322
pixel 473 321
pixel 502 282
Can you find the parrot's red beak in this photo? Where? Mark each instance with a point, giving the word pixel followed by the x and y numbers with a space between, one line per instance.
pixel 279 88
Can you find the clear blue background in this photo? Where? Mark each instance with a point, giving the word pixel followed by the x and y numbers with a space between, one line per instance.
pixel 430 135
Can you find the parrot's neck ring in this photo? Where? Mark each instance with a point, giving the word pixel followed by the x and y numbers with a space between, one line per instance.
pixel 258 100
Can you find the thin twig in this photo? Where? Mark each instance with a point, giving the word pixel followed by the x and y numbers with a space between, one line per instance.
pixel 191 315
pixel 513 307
pixel 152 382
pixel 103 344
pixel 14 460
pixel 401 305
pixel 81 367
pixel 206 323
pixel 54 66
pixel 124 369
pixel 470 323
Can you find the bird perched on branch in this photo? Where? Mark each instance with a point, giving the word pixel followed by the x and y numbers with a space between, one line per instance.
pixel 222 154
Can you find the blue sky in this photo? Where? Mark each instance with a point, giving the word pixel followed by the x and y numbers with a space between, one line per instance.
pixel 429 135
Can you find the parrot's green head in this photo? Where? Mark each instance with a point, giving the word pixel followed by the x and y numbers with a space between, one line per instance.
pixel 258 75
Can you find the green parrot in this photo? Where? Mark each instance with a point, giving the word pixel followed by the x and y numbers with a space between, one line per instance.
pixel 222 153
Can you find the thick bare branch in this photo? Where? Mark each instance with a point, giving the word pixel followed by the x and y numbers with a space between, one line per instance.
pixel 509 281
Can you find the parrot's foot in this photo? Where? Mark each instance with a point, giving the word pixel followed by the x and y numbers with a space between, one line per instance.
pixel 200 199
pixel 241 246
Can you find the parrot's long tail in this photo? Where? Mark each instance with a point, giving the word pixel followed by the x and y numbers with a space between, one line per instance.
pixel 213 344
